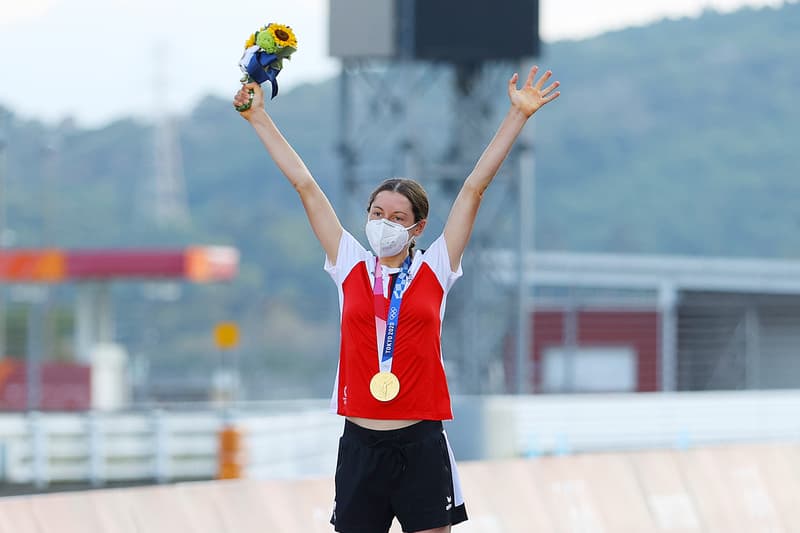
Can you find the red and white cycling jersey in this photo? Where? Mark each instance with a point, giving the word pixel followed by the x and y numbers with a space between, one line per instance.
pixel 417 360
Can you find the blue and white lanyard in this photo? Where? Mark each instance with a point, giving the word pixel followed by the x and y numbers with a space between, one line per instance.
pixel 390 336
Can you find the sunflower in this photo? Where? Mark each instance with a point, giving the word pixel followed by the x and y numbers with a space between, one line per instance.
pixel 283 35
pixel 250 41
pixel 265 40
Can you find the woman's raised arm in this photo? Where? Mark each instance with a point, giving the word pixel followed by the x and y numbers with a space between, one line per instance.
pixel 524 103
pixel 323 219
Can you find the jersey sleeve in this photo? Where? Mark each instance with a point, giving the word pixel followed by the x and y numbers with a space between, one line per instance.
pixel 438 260
pixel 349 254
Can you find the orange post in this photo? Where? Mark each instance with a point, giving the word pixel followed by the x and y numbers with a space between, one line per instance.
pixel 231 456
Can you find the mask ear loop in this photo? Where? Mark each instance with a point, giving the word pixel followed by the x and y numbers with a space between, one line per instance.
pixel 412 240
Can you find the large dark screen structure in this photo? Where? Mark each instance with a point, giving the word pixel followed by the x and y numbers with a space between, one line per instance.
pixel 466 31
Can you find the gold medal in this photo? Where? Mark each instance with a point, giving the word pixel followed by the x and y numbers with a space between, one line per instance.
pixel 384 386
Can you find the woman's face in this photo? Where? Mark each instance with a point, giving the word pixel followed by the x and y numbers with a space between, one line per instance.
pixel 392 206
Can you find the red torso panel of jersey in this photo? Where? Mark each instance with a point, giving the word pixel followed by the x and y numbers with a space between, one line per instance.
pixel 417 360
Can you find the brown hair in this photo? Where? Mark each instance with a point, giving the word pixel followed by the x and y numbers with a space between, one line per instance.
pixel 411 190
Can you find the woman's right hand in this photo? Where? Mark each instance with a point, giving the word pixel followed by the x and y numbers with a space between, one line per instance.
pixel 320 213
pixel 243 96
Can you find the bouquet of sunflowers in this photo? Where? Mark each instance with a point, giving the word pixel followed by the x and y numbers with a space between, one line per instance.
pixel 264 52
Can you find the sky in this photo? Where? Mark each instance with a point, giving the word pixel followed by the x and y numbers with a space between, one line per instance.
pixel 95 61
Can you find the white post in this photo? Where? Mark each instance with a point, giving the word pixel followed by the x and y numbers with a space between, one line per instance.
pixel 85 333
pixel 40 461
pixel 97 451
pixel 752 346
pixel 668 303
pixel 160 446
pixel 525 249
pixel 34 356
pixel 104 314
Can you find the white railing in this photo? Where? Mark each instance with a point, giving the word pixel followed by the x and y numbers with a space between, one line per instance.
pixel 167 444
pixel 561 424
pixel 299 439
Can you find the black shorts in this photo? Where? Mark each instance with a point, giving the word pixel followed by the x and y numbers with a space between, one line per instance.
pixel 408 473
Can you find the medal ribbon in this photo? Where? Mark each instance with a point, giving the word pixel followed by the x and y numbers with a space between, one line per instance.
pixel 386 326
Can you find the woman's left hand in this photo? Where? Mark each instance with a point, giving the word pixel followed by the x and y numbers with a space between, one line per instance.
pixel 532 96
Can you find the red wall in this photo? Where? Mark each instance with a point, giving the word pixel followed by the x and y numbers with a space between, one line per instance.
pixel 636 329
pixel 65 386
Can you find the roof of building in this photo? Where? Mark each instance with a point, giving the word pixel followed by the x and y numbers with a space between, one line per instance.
pixel 631 271
pixel 200 264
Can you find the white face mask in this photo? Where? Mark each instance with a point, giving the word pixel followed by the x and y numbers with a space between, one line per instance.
pixel 387 238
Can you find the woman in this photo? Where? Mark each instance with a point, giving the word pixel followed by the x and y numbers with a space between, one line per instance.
pixel 394 458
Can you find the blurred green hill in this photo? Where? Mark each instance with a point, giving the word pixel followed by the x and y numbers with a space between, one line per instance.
pixel 680 137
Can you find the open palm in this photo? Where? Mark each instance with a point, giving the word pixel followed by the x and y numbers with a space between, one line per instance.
pixel 532 96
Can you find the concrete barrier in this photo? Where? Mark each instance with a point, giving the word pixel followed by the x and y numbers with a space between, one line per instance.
pixel 743 488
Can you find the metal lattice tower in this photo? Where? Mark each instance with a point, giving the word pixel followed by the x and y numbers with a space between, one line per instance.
pixel 167 203
pixel 386 132
pixel 397 55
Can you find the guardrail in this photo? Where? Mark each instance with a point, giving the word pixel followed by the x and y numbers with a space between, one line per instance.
pixel 563 424
pixel 283 439
pixel 298 439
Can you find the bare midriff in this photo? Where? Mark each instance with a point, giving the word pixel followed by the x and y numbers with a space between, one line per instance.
pixel 380 425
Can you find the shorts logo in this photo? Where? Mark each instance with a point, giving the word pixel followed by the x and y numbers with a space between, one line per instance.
pixel 449 504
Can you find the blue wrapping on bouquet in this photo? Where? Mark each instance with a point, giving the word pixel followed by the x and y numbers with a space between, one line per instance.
pixel 262 67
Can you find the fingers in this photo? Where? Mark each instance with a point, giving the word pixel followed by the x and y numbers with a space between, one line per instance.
pixel 544 78
pixel 512 83
pixel 550 97
pixel 533 94
pixel 253 86
pixel 241 97
pixel 249 92
pixel 550 87
pixel 531 75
